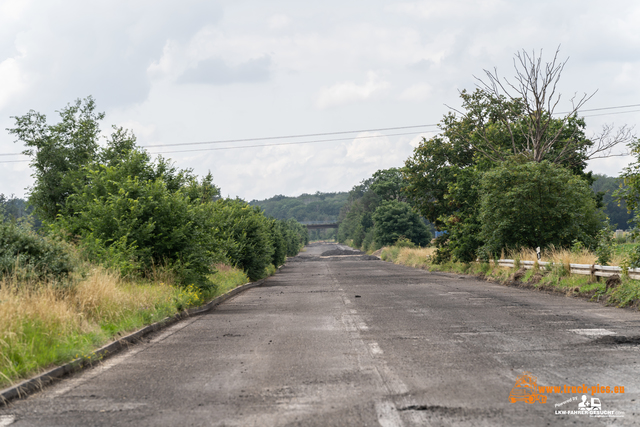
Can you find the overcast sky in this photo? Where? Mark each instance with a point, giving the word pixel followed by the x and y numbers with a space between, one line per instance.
pixel 192 71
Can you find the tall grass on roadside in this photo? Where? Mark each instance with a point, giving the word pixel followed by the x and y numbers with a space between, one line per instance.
pixel 555 276
pixel 412 257
pixel 563 256
pixel 43 324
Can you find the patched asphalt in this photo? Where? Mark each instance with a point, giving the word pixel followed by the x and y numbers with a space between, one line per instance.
pixel 345 339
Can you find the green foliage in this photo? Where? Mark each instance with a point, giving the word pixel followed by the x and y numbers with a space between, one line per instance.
pixel 403 242
pixel 58 152
pixel 277 230
pixel 463 224
pixel 296 236
pixel 357 217
pixel 246 236
pixel 136 224
pixel 444 176
pixel 244 233
pixel 605 246
pixel 394 220
pixel 25 255
pixel 388 184
pixel 536 204
pixel 307 207
pixel 616 210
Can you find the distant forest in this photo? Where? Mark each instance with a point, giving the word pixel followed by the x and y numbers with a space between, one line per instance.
pixel 323 207
pixel 618 215
pixel 307 207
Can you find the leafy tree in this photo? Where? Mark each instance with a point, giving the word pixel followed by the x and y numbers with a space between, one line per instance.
pixel 277 229
pixel 58 152
pixel 388 184
pixel 530 204
pixel 494 128
pixel 394 219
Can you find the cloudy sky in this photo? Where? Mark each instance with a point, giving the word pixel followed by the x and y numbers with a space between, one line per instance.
pixel 202 71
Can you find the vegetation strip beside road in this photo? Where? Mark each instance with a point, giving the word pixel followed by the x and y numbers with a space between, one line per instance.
pixel 624 292
pixel 37 382
pixel 46 326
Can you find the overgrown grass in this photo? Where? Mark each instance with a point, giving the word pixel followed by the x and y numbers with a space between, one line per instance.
pixel 553 277
pixel 44 324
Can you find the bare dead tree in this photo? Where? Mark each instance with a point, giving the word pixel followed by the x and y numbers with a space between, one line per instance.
pixel 534 90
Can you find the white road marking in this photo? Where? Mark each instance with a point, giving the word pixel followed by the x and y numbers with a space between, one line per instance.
pixel 6 420
pixel 387 414
pixel 592 332
pixel 375 348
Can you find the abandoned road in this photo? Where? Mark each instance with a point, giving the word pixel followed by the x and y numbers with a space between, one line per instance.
pixel 347 340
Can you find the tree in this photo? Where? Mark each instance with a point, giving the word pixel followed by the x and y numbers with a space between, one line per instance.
pixel 394 219
pixel 128 217
pixel 526 109
pixel 388 184
pixel 499 123
pixel 530 204
pixel 58 152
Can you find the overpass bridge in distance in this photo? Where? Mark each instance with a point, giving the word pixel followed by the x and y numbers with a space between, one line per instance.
pixel 317 225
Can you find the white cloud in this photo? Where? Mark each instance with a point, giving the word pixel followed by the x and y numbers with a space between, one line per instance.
pixel 305 58
pixel 348 92
pixel 13 81
pixel 278 22
pixel 417 92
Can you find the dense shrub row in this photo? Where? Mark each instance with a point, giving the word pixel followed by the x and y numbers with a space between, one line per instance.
pixel 131 213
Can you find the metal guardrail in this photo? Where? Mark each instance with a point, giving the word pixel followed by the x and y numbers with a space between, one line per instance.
pixel 585 269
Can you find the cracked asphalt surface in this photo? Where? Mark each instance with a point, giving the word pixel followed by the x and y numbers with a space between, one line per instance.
pixel 347 340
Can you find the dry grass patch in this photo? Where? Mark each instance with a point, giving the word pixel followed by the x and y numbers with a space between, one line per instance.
pixel 46 324
pixel 562 256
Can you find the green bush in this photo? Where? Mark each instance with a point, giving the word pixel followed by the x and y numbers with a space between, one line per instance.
pixel 27 256
pixel 137 225
pixel 536 204
pixel 395 219
pixel 244 234
pixel 403 242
